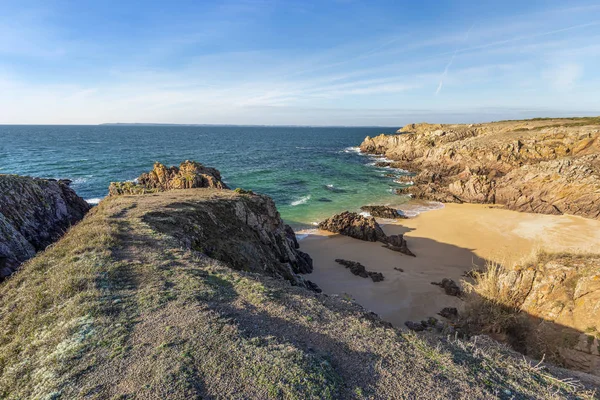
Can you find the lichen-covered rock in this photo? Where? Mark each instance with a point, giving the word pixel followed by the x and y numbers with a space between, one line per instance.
pixel 543 166
pixel 244 231
pixel 34 213
pixel 383 212
pixel 354 225
pixel 188 175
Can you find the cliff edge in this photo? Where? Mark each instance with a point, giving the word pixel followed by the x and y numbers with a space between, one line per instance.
pixel 34 213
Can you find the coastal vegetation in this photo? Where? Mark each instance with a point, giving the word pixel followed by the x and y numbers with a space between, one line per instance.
pixel 152 296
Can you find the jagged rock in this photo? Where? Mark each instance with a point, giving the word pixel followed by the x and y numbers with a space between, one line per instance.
pixel 383 212
pixel 358 269
pixel 550 166
pixel 354 225
pixel 188 175
pixel 364 228
pixel 398 243
pixel 245 232
pixel 449 286
pixel 291 236
pixel 34 213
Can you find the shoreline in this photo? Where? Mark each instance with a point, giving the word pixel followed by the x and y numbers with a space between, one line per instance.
pixel 447 242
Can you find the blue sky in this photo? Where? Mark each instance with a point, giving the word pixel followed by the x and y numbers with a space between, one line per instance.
pixel 322 62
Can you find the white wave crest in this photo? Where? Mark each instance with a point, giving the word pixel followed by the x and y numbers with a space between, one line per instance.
pixel 302 200
pixel 93 201
pixel 352 150
pixel 412 210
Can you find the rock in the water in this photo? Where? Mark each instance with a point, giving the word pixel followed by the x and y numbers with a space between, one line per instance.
pixel 383 212
pixel 398 243
pixel 188 175
pixel 449 286
pixel 34 213
pixel 358 269
pixel 354 225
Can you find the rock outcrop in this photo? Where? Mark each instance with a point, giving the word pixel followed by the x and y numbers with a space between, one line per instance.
pixel 354 225
pixel 244 231
pixel 364 228
pixel 543 166
pixel 383 212
pixel 556 299
pixel 360 270
pixel 188 175
pixel 34 213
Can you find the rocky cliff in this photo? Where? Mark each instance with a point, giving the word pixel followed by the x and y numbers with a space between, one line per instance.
pixel 547 307
pixel 546 166
pixel 34 213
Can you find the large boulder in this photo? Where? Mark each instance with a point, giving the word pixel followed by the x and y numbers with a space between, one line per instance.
pixel 383 212
pixel 34 213
pixel 354 225
pixel 188 175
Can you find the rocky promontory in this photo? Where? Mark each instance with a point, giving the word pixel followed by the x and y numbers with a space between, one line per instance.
pixel 34 213
pixel 188 175
pixel 547 166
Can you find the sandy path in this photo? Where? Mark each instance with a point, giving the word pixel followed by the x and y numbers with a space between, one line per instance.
pixel 447 242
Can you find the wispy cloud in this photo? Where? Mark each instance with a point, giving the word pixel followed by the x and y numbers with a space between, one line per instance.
pixel 445 73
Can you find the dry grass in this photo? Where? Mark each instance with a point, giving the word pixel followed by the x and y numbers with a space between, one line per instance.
pixel 118 310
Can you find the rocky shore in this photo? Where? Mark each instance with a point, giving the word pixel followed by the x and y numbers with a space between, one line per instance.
pixel 176 287
pixel 549 166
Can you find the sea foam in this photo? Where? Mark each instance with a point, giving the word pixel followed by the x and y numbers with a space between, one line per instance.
pixel 302 200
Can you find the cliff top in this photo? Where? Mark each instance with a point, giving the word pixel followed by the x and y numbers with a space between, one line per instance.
pixel 123 306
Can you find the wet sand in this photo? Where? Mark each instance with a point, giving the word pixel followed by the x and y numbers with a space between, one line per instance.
pixel 447 243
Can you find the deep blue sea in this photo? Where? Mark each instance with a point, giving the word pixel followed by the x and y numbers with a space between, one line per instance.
pixel 311 173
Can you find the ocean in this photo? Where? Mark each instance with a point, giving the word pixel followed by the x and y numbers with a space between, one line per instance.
pixel 310 172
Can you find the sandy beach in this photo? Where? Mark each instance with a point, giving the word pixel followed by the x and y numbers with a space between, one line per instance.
pixel 447 242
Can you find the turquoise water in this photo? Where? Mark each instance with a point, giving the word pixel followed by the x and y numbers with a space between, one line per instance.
pixel 310 172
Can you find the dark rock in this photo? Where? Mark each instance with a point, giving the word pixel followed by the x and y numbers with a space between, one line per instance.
pixel 245 232
pixel 383 212
pixel 291 236
pixel 358 269
pixel 449 286
pixel 398 269
pixel 449 312
pixel 188 175
pixel 354 225
pixel 414 326
pixel 398 243
pixel 34 213
pixel 324 200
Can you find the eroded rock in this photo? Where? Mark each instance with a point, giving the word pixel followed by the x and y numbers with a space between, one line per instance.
pixel 450 287
pixel 383 212
pixel 34 213
pixel 188 175
pixel 354 225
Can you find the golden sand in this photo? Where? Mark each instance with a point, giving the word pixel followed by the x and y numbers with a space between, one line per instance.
pixel 447 243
